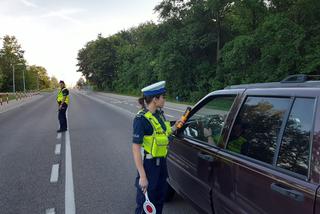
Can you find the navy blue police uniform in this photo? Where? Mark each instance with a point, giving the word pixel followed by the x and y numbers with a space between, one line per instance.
pixel 155 168
pixel 62 112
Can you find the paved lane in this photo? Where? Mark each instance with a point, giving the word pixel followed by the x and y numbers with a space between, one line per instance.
pixel 104 172
pixel 27 141
pixel 34 165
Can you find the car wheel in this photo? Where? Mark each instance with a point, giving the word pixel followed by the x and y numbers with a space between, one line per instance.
pixel 169 193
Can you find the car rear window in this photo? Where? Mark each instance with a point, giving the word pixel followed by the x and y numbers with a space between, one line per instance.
pixel 257 127
pixel 295 145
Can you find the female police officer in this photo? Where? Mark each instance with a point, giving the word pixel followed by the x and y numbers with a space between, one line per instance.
pixel 150 140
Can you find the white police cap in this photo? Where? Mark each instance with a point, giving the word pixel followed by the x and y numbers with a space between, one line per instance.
pixel 154 89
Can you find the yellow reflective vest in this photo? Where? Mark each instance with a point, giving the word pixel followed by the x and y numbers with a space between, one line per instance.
pixel 156 144
pixel 60 97
pixel 236 145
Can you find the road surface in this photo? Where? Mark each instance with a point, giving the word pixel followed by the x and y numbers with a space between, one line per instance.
pixel 88 169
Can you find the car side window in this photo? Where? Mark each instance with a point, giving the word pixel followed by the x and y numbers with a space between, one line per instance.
pixel 206 124
pixel 256 129
pixel 295 145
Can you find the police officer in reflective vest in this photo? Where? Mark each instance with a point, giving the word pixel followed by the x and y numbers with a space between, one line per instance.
pixel 150 139
pixel 63 102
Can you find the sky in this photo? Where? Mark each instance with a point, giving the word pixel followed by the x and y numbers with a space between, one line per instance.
pixel 51 32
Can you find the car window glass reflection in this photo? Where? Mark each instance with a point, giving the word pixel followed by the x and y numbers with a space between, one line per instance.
pixel 257 126
pixel 294 150
pixel 206 124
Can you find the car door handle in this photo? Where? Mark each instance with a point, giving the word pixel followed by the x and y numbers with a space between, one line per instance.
pixel 294 194
pixel 205 157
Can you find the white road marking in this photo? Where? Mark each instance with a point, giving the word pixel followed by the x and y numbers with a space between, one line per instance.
pixel 138 106
pixel 54 173
pixel 174 109
pixel 50 211
pixel 169 115
pixel 57 151
pixel 115 107
pixel 59 136
pixel 69 190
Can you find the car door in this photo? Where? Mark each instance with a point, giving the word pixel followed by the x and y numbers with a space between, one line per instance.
pixel 192 153
pixel 271 166
pixel 315 160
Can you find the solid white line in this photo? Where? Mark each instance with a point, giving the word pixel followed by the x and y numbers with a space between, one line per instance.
pixel 50 211
pixel 54 173
pixel 69 190
pixel 58 135
pixel 58 149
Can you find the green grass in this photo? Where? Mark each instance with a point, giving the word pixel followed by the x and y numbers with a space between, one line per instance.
pixel 223 104
pixel 48 90
pixel 12 97
pixel 169 99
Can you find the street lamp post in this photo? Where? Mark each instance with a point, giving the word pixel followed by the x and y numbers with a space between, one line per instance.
pixel 13 82
pixel 38 81
pixel 13 79
pixel 24 82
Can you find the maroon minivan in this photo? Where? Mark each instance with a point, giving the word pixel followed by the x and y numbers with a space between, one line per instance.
pixel 251 149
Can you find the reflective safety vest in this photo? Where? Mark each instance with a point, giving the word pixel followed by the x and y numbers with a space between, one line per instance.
pixel 236 145
pixel 60 97
pixel 156 144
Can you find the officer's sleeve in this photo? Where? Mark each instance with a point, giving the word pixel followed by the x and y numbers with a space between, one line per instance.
pixel 138 130
pixel 65 92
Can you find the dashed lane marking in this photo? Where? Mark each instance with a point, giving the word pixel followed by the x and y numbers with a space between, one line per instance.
pixel 50 211
pixel 57 151
pixel 174 109
pixel 59 136
pixel 54 173
pixel 169 115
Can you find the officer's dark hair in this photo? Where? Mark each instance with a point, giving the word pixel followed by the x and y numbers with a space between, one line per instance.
pixel 147 99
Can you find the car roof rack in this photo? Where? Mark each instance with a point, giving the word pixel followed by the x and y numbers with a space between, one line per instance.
pixel 299 80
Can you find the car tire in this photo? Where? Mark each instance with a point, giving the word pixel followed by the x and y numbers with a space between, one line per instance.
pixel 169 193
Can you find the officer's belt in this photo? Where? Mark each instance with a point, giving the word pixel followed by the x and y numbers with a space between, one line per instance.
pixel 148 156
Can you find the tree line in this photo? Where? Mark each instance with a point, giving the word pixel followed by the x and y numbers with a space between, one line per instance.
pixel 12 61
pixel 202 45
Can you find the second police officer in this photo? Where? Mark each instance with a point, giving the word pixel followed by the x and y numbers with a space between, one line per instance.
pixel 150 139
pixel 63 102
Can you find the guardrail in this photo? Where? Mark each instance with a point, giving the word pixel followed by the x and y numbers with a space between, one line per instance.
pixel 4 97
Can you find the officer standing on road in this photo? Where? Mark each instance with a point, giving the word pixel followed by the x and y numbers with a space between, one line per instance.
pixel 63 102
pixel 150 139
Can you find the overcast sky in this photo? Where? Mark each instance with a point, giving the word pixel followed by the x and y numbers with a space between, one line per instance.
pixel 52 31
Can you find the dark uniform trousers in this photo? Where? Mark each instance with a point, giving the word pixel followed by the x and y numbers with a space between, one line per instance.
pixel 157 184
pixel 62 117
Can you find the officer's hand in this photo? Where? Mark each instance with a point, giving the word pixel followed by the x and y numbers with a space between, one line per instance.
pixel 179 123
pixel 143 183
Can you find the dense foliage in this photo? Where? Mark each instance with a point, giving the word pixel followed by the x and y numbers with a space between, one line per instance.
pixel 12 59
pixel 202 45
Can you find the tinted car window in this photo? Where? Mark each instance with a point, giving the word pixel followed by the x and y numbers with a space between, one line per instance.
pixel 206 124
pixel 257 126
pixel 294 150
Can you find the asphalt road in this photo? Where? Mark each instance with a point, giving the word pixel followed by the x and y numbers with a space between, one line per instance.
pixel 88 169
